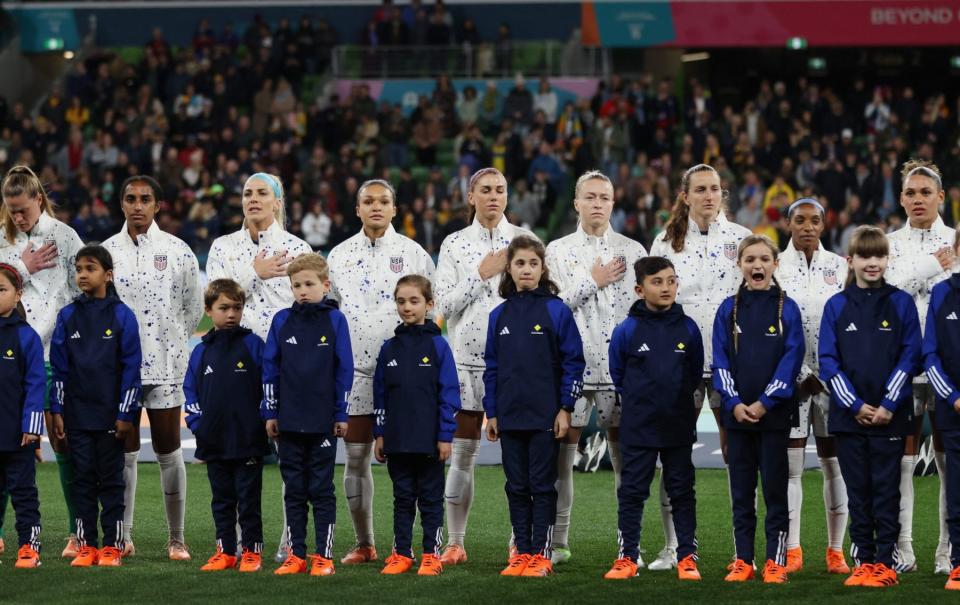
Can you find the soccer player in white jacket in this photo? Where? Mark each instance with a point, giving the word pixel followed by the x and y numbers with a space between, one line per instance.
pixel 810 275
pixel 589 265
pixel 702 245
pixel 256 257
pixel 363 274
pixel 921 255
pixel 469 270
pixel 42 249
pixel 157 275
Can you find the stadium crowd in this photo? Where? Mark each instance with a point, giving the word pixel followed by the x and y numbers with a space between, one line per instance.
pixel 202 118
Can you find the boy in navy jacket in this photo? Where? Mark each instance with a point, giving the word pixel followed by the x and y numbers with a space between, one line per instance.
pixel 416 395
pixel 656 362
pixel 21 414
pixel 758 348
pixel 307 377
pixel 941 358
pixel 869 352
pixel 95 357
pixel 224 390
pixel 533 378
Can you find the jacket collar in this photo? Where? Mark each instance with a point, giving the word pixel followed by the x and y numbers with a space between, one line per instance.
pixel 586 238
pixel 429 328
pixel 640 309
pixel 500 228
pixel 229 333
pixel 13 320
pixel 153 234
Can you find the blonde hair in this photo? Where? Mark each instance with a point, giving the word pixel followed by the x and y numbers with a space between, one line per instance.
pixel 590 175
pixel 310 261
pixel 276 185
pixel 20 180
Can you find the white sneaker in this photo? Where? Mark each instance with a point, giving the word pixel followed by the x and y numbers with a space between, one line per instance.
pixel 640 563
pixel 666 560
pixel 561 554
pixel 907 561
pixel 942 559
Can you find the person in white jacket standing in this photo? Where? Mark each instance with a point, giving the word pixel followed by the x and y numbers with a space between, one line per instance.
pixel 256 257
pixel 157 275
pixel 43 250
pixel 921 255
pixel 810 275
pixel 363 274
pixel 589 265
pixel 468 280
pixel 702 245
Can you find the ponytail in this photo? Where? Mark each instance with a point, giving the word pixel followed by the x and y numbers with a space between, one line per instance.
pixel 21 180
pixel 675 231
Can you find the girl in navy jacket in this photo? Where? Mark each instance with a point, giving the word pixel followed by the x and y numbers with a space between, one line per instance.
pixel 869 353
pixel 656 362
pixel 533 378
pixel 307 377
pixel 21 414
pixel 95 357
pixel 223 390
pixel 758 348
pixel 416 395
pixel 941 358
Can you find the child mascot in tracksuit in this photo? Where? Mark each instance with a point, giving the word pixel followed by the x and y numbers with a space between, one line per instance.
pixel 656 362
pixel 21 414
pixel 416 396
pixel 941 359
pixel 533 378
pixel 95 356
pixel 758 348
pixel 869 352
pixel 307 376
pixel 224 390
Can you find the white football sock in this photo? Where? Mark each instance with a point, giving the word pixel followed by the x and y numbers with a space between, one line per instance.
pixel 173 480
pixel 941 460
pixel 561 527
pixel 458 492
pixel 834 501
pixel 358 486
pixel 616 461
pixel 794 494
pixel 666 517
pixel 130 460
pixel 907 465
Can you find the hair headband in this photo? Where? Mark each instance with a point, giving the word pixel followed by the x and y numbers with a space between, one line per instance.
pixel 17 280
pixel 269 180
pixel 806 201
pixel 925 172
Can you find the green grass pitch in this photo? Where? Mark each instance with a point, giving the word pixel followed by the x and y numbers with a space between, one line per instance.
pixel 150 577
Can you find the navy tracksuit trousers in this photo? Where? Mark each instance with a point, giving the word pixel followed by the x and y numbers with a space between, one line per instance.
pixel 530 464
pixel 236 486
pixel 306 465
pixel 418 482
pixel 97 486
pixel 639 464
pixel 18 478
pixel 749 452
pixel 870 465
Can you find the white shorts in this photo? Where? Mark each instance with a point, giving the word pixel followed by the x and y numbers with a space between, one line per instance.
pixel 471 389
pixel 608 412
pixel 162 396
pixel 923 398
pixel 361 396
pixel 712 393
pixel 815 412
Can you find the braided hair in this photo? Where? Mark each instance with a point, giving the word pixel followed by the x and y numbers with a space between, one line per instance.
pixel 748 241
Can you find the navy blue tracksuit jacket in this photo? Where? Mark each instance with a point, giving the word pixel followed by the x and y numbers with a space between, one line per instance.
pixel 224 389
pixel 416 395
pixel 24 380
pixel 869 353
pixel 941 359
pixel 534 368
pixel 656 362
pixel 95 358
pixel 308 368
pixel 757 358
